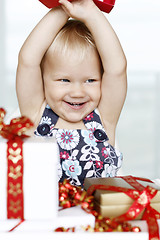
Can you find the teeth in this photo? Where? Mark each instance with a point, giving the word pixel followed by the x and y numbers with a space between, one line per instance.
pixel 76 104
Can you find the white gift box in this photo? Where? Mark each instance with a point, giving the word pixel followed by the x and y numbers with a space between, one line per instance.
pixel 40 183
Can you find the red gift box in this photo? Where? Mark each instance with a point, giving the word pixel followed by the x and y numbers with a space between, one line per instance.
pixel 103 5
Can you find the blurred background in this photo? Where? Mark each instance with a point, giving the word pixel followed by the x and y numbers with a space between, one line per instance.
pixel 137 24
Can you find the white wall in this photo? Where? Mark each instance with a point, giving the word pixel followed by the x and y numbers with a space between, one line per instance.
pixel 2 45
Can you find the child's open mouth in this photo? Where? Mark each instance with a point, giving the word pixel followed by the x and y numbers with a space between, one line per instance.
pixel 75 105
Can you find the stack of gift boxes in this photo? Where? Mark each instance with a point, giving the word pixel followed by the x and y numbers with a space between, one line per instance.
pixel 127 198
pixel 113 203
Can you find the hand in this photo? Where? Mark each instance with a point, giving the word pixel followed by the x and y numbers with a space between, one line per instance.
pixel 78 9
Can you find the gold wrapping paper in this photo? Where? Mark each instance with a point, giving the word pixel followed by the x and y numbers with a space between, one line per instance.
pixel 104 197
pixel 113 204
pixel 117 210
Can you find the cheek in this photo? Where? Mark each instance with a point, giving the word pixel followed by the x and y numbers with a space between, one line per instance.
pixel 51 89
pixel 97 93
pixel 98 97
pixel 54 95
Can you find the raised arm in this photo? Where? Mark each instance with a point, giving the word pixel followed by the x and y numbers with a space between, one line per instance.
pixel 114 81
pixel 29 81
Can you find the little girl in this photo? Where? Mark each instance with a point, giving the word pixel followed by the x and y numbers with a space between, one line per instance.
pixel 71 82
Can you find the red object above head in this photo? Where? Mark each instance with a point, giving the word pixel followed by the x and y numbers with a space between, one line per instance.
pixel 103 5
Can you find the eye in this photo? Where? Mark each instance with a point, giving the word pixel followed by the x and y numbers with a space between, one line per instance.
pixel 64 80
pixel 90 80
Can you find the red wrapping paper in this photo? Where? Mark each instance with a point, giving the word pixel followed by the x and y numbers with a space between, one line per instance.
pixel 104 5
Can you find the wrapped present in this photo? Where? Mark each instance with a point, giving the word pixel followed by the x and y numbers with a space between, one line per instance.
pixel 40 193
pixel 111 203
pixel 28 173
pixel 104 5
pixel 142 191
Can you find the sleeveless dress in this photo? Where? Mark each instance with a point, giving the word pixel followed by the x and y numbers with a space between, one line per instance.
pixel 83 153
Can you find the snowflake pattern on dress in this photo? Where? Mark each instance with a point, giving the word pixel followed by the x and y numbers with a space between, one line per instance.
pixel 83 153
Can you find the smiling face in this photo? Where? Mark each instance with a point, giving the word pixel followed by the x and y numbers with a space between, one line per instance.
pixel 72 86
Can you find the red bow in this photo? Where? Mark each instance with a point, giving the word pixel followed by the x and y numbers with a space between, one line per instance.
pixel 142 197
pixel 16 128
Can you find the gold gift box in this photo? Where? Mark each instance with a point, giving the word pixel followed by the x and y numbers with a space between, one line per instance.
pixel 113 204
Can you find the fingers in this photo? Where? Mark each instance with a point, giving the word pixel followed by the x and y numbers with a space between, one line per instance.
pixel 67 6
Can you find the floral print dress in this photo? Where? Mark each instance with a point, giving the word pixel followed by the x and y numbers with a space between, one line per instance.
pixel 83 153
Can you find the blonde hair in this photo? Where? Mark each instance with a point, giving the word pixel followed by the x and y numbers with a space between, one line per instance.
pixel 74 38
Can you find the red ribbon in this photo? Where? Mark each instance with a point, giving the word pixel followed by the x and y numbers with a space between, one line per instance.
pixel 14 133
pixel 70 195
pixel 142 197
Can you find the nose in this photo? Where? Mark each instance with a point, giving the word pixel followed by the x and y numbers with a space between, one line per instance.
pixel 77 90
